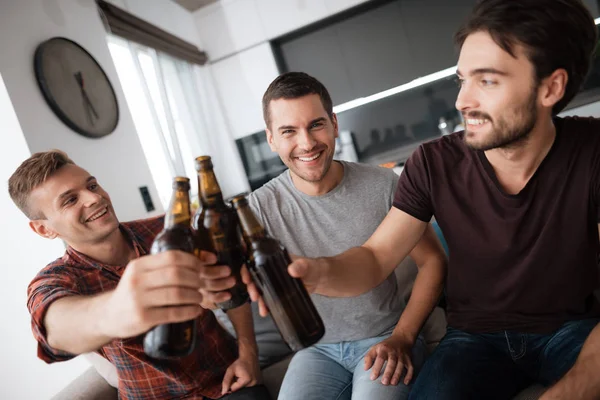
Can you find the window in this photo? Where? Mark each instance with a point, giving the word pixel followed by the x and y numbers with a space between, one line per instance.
pixel 160 91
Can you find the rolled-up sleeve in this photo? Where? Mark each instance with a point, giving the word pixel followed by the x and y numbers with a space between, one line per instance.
pixel 47 287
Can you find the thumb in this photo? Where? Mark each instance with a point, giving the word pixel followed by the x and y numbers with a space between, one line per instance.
pixel 242 381
pixel 298 269
pixel 227 379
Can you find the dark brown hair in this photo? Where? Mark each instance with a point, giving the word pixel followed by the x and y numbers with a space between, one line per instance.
pixel 555 34
pixel 292 85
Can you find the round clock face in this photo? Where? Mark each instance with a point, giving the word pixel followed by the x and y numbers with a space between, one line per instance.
pixel 76 87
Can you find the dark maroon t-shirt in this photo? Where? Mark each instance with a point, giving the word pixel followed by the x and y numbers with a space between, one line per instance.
pixel 526 262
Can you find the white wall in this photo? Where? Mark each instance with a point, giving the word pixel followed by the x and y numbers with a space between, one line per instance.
pixel 117 159
pixel 22 374
pixel 28 125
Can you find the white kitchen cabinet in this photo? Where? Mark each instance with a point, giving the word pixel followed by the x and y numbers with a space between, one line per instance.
pixel 228 27
pixel 283 16
pixel 241 81
pixel 336 6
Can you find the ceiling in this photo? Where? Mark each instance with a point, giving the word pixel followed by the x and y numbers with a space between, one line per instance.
pixel 193 5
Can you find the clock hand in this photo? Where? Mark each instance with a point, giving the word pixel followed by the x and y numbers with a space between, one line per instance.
pixel 89 107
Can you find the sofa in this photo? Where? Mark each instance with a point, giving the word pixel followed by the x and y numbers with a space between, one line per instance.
pixel 99 381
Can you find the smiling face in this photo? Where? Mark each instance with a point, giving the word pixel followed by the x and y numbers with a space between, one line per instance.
pixel 75 208
pixel 498 96
pixel 303 135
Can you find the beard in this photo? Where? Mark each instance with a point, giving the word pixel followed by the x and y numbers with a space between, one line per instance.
pixel 507 132
pixel 310 177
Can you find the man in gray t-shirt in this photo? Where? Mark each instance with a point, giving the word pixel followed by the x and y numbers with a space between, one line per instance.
pixel 320 207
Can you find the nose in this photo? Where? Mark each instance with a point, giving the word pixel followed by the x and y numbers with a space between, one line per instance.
pixel 306 141
pixel 466 98
pixel 90 198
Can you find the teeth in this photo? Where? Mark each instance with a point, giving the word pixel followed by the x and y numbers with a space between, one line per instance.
pixel 476 121
pixel 310 158
pixel 97 215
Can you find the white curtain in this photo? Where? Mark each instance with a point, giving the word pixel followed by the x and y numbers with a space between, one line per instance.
pixel 177 116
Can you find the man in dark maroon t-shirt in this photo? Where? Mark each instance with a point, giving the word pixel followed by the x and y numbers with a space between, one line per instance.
pixel 517 195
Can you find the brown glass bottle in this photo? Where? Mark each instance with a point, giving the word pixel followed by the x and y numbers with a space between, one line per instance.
pixel 223 231
pixel 174 340
pixel 286 297
pixel 202 237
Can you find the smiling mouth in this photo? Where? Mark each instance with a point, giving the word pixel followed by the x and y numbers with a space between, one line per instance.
pixel 97 215
pixel 476 121
pixel 311 158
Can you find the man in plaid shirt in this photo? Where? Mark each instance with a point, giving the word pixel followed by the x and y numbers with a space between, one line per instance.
pixel 106 291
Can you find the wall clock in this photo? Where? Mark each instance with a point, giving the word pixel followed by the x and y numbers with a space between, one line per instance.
pixel 76 87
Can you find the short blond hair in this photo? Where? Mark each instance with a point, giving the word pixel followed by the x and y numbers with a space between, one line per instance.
pixel 30 174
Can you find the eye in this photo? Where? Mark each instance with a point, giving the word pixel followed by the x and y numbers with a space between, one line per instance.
pixel 93 186
pixel 316 125
pixel 487 82
pixel 459 81
pixel 70 200
pixel 287 132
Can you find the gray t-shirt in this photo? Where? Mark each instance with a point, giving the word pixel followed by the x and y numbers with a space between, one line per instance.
pixel 320 226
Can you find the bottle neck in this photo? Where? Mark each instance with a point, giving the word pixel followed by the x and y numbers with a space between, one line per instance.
pixel 179 213
pixel 250 225
pixel 209 189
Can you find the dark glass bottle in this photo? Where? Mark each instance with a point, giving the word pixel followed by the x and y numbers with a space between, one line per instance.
pixel 286 297
pixel 178 339
pixel 222 230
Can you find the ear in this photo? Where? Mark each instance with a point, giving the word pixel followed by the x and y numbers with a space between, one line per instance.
pixel 335 125
pixel 270 140
pixel 553 88
pixel 40 226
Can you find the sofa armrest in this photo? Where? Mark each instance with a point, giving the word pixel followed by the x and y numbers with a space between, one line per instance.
pixel 88 386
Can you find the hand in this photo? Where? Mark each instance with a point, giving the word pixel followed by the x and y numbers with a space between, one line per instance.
pixel 396 351
pixel 156 289
pixel 216 279
pixel 246 372
pixel 307 269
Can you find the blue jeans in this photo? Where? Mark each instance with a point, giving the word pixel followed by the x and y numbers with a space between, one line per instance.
pixel 336 371
pixel 499 365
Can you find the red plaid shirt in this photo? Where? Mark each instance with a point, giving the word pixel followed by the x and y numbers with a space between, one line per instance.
pixel 140 377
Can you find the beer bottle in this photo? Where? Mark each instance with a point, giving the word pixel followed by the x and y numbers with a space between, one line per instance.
pixel 290 304
pixel 201 235
pixel 222 228
pixel 177 339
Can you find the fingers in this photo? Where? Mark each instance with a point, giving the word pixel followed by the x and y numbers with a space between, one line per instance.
pixel 263 310
pixel 171 276
pixel 228 379
pixel 166 258
pixel 237 385
pixel 217 285
pixel 410 370
pixel 214 297
pixel 254 292
pixel 378 365
pixel 246 278
pixel 207 257
pixel 172 296
pixel 214 271
pixel 390 368
pixel 369 358
pixel 167 315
